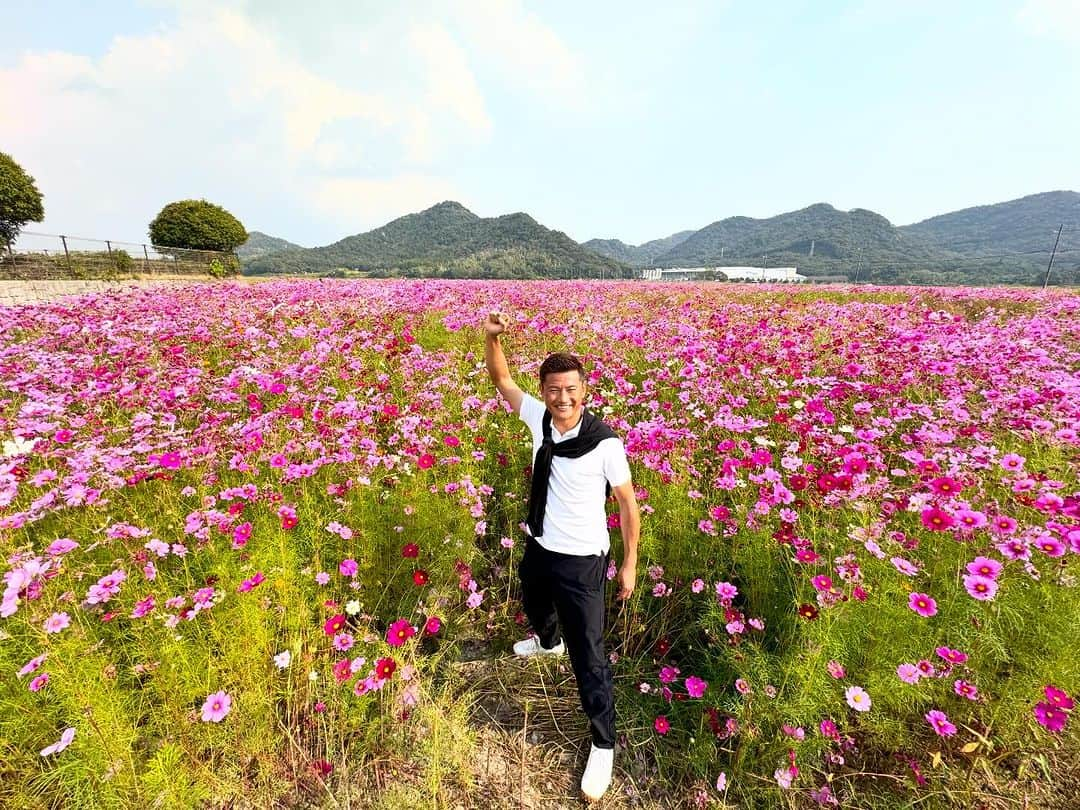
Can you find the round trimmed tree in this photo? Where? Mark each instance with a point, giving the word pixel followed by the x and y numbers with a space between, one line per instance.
pixel 197 225
pixel 20 200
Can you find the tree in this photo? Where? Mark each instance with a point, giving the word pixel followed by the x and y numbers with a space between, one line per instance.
pixel 20 201
pixel 196 225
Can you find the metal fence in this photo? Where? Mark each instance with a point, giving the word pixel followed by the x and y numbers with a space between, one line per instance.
pixel 37 256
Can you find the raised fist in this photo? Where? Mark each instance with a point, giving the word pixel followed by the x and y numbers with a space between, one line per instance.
pixel 496 324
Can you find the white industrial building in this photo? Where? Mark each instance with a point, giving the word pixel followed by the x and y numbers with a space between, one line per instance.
pixel 772 275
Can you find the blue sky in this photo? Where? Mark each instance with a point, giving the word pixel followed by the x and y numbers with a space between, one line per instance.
pixel 614 120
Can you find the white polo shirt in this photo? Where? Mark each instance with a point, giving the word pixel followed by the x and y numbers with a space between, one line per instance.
pixel 575 521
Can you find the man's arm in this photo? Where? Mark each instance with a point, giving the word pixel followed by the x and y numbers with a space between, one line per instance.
pixel 494 326
pixel 630 526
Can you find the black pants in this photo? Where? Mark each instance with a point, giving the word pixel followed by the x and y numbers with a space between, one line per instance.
pixel 567 591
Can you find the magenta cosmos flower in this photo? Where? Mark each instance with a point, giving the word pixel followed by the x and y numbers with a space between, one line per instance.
pixel 1050 717
pixel 937 519
pixel 399 632
pixel 216 707
pixel 922 604
pixel 1058 698
pixel 661 725
pixel 982 588
pixel 951 655
pixel 695 686
pixel 939 722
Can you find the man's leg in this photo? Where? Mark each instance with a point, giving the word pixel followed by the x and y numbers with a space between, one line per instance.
pixel 536 597
pixel 579 600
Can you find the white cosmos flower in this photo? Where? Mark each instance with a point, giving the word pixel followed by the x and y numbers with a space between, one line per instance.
pixel 17 446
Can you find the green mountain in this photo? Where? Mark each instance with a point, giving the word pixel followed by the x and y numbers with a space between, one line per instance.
pixel 259 244
pixel 1018 226
pixel 819 240
pixel 639 255
pixel 1007 243
pixel 448 240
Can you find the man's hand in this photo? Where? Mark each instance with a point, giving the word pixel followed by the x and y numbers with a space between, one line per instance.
pixel 626 578
pixel 496 324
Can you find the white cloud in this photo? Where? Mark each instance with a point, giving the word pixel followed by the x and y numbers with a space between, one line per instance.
pixel 274 121
pixel 527 50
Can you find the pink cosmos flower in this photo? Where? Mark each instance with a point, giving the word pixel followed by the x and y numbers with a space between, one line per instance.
pixel 1015 549
pixel 965 689
pixel 857 698
pixel 822 582
pixel 1050 546
pixel 343 642
pixel 432 625
pixel 61 546
pixel 971 519
pixel 908 673
pixel 904 566
pixel 39 681
pixel 981 588
pixel 695 686
pixel 926 669
pixel 322 578
pixel 348 567
pixel 726 591
pixel 661 725
pixel 795 732
pixel 741 686
pixel 698 585
pixel 1003 524
pixel 66 736
pixel 939 722
pixel 835 670
pixel 216 707
pixel 32 665
pixel 1012 462
pixel 985 567
pixel 57 622
pixel 922 604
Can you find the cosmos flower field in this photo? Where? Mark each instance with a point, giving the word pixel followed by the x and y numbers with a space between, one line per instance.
pixel 246 528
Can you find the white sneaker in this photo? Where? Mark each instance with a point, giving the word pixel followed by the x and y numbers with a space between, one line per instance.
pixel 597 777
pixel 531 646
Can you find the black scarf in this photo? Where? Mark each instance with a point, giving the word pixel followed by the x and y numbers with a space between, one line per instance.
pixel 593 431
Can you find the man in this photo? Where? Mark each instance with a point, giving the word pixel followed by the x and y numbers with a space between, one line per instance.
pixel 576 457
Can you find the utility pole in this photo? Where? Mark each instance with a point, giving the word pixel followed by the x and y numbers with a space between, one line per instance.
pixel 1052 254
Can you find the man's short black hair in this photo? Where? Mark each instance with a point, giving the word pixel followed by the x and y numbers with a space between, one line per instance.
pixel 559 362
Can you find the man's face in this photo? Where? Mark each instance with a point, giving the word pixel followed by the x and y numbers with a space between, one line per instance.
pixel 564 396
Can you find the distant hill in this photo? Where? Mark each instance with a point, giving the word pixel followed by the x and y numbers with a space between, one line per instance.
pixel 259 244
pixel 819 240
pixel 449 240
pixel 635 256
pixel 963 247
pixel 1018 226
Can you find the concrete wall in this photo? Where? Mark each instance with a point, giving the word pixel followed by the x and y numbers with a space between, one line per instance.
pixel 30 292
